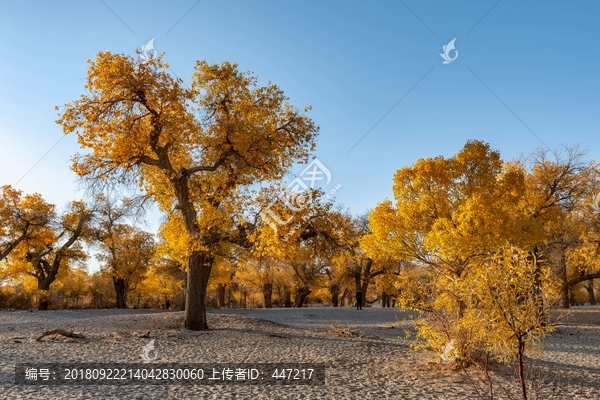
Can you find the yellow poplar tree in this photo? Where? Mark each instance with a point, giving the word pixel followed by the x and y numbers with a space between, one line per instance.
pixel 193 151
pixel 449 214
pixel 53 246
pixel 19 217
pixel 127 253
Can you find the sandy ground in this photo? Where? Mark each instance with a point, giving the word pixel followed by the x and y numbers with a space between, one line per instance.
pixel 365 352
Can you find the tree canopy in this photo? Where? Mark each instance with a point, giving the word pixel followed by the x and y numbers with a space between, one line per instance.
pixel 195 150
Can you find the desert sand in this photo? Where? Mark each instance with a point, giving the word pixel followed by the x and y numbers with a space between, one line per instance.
pixel 366 353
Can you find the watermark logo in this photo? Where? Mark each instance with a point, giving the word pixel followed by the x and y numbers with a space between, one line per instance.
pixel 146 52
pixel 446 358
pixel 296 195
pixel 447 48
pixel 316 171
pixel 146 350
pixel 596 203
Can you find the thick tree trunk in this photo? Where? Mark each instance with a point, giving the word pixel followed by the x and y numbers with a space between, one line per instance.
pixel 121 292
pixel 300 297
pixel 221 295
pixel 384 300
pixel 44 293
pixel 590 289
pixel 199 266
pixel 335 295
pixel 287 297
pixel 267 290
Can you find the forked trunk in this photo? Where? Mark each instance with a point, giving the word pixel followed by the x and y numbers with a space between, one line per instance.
pixel 199 266
pixel 300 297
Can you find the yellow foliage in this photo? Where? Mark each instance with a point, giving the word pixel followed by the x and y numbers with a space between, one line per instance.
pixel 449 216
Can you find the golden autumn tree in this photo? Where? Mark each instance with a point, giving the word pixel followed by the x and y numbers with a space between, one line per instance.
pixel 194 151
pixel 127 254
pixel 449 215
pixel 52 246
pixel 355 263
pixel 71 287
pixel 259 273
pixel 580 259
pixel 19 217
pixel 558 187
pixel 504 305
pixel 260 267
pixel 101 295
pixel 126 251
pixel 299 246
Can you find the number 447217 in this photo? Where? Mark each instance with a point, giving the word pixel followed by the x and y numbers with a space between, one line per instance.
pixel 290 373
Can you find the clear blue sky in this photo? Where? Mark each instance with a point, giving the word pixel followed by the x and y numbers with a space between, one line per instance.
pixel 351 60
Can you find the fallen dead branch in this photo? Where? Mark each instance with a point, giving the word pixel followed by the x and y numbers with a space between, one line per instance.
pixel 61 332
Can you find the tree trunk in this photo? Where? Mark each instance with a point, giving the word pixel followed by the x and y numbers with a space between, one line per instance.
pixel 267 290
pixel 384 300
pixel 121 292
pixel 590 289
pixel 537 284
pixel 44 293
pixel 184 294
pixel 344 297
pixel 521 344
pixel 565 296
pixel 564 285
pixel 221 295
pixel 335 295
pixel 300 297
pixel 199 266
pixel 287 297
pixel 366 277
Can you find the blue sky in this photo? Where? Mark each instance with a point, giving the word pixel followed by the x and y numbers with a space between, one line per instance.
pixel 524 68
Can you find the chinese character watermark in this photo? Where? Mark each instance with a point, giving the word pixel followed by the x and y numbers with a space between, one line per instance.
pixel 296 196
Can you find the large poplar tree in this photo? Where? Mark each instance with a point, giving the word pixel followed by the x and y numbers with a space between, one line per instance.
pixel 193 150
